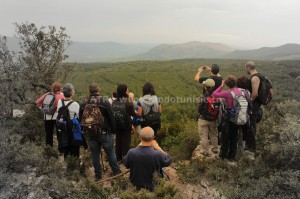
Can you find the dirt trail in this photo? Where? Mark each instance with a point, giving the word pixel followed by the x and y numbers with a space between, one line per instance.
pixel 192 191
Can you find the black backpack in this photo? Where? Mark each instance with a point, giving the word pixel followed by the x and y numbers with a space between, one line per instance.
pixel 152 118
pixel 122 118
pixel 64 124
pixel 265 93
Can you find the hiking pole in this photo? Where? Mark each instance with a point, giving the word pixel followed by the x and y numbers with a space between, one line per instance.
pixel 116 176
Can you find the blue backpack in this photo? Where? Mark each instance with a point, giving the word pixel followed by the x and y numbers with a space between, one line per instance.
pixel 77 132
pixel 136 119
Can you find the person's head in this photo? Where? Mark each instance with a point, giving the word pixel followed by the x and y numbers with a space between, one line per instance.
pixel 230 81
pixel 115 95
pixel 209 84
pixel 250 66
pixel 146 134
pixel 148 89
pixel 94 89
pixel 243 82
pixel 122 90
pixel 56 86
pixel 215 69
pixel 131 96
pixel 68 90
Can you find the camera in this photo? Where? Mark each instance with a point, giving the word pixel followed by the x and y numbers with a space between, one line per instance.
pixel 204 67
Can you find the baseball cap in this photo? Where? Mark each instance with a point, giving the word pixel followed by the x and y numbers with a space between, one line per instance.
pixel 209 83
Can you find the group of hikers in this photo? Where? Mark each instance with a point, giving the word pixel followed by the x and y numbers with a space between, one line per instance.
pixel 94 122
pixel 98 122
pixel 226 116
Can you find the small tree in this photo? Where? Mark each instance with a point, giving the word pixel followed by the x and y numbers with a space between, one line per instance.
pixel 36 65
pixel 42 53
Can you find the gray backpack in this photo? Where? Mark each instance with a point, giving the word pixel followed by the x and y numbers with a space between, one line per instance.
pixel 48 106
pixel 239 114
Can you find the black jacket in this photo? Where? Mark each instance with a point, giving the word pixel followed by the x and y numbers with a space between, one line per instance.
pixel 106 111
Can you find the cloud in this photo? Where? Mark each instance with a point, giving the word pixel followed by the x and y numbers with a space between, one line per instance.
pixel 253 23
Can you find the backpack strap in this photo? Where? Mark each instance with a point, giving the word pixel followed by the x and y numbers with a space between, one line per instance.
pixel 232 94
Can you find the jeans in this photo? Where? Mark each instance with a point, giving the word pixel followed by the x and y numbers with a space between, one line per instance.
pixel 105 141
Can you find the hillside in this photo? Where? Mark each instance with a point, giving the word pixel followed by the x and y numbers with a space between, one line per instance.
pixel 193 49
pixel 103 51
pixel 284 52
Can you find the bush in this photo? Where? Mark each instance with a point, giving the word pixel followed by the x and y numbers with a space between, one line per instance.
pixel 181 139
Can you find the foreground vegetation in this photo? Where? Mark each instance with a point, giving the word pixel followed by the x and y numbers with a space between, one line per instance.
pixel 37 171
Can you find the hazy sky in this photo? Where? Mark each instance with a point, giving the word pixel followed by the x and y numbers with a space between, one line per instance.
pixel 238 23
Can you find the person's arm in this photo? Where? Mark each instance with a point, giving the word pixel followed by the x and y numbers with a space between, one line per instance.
pixel 155 145
pixel 126 160
pixel 140 110
pixel 39 102
pixel 255 85
pixel 160 108
pixel 219 93
pixel 76 110
pixel 198 75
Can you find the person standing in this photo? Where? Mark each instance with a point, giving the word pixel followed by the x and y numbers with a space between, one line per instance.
pixel 230 132
pixel 70 147
pixel 48 104
pixel 208 109
pixel 149 103
pixel 214 74
pixel 146 159
pixel 256 104
pixel 104 135
pixel 123 112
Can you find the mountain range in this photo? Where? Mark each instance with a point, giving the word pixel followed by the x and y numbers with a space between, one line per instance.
pixel 113 51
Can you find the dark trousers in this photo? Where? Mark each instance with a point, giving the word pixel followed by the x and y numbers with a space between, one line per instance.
pixel 123 140
pixel 251 141
pixel 71 150
pixel 229 141
pixel 49 128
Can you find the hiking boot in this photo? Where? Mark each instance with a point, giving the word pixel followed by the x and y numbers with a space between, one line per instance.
pixel 232 163
pixel 249 155
pixel 215 150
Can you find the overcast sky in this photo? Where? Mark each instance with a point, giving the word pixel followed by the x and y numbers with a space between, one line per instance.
pixel 238 23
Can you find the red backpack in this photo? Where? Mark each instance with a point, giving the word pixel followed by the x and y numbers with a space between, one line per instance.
pixel 211 108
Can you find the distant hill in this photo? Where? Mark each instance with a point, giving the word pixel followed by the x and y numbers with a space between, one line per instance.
pixel 95 51
pixel 284 52
pixel 113 51
pixel 103 51
pixel 193 49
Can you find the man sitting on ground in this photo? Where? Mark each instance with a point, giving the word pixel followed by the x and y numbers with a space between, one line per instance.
pixel 145 159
